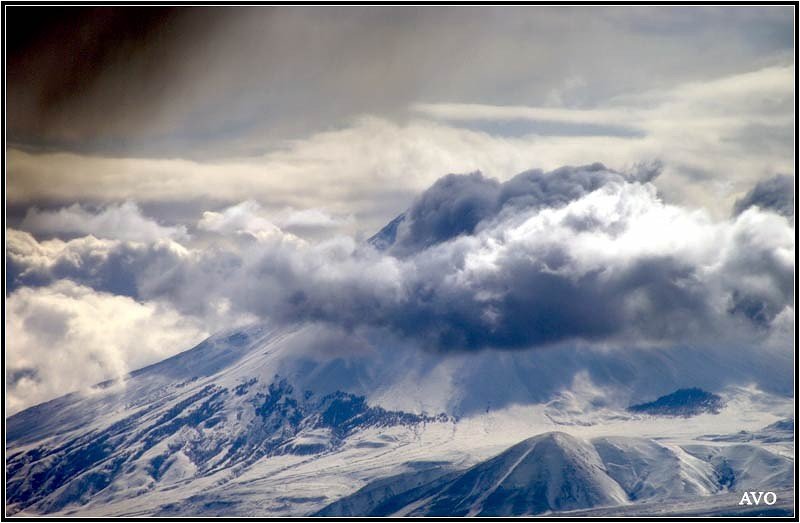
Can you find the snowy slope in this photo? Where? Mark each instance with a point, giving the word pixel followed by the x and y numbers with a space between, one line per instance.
pixel 556 472
pixel 250 423
pixel 216 407
pixel 550 472
pixel 648 470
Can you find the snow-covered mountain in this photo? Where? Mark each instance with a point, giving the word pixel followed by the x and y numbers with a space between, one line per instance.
pixel 556 472
pixel 549 472
pixel 200 412
pixel 250 423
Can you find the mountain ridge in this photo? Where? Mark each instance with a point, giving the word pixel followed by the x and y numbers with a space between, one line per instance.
pixel 192 433
pixel 604 472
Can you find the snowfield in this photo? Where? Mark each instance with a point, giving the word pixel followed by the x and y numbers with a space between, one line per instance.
pixel 247 424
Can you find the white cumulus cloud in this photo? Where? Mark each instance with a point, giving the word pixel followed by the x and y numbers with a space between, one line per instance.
pixel 69 337
pixel 123 221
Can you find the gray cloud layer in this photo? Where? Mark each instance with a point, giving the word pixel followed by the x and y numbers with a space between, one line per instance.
pixel 740 125
pixel 226 81
pixel 579 254
pixel 116 221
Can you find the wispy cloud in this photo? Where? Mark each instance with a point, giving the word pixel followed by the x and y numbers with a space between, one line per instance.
pixel 462 112
pixel 191 92
pixel 123 221
pixel 716 140
pixel 68 337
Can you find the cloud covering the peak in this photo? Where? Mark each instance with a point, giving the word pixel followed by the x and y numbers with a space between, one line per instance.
pixel 458 204
pixel 578 256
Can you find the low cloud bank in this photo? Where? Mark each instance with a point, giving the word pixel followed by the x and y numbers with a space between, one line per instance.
pixel 579 253
pixel 575 256
pixel 122 221
pixel 68 337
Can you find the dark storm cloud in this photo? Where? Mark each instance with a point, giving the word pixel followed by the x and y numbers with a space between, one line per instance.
pixel 775 194
pixel 546 258
pixel 536 189
pixel 534 293
pixel 200 82
pixel 99 73
pixel 457 204
pixel 454 205
pixel 531 306
pixel 78 44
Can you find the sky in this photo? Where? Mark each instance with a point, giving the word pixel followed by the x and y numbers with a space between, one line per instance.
pixel 176 171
